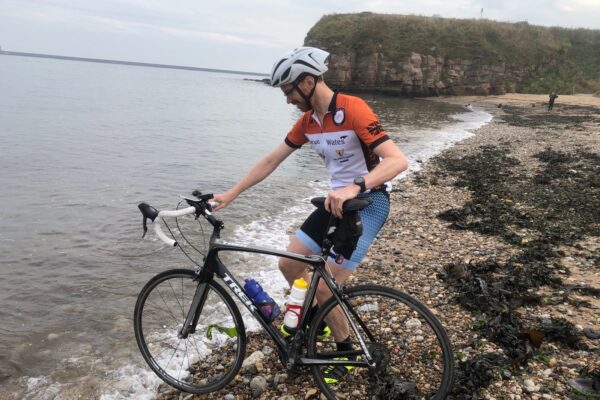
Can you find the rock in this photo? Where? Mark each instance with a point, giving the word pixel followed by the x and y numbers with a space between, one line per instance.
pixel 310 394
pixel 413 323
pixel 530 386
pixel 258 385
pixel 252 359
pixel 259 367
pixel 229 396
pixel 590 333
pixel 279 378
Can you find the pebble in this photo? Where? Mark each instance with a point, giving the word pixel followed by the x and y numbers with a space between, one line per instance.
pixel 506 374
pixel 279 378
pixel 413 323
pixel 258 385
pixel 530 386
pixel 252 359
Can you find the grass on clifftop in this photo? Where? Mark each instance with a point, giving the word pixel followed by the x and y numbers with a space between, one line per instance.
pixel 567 59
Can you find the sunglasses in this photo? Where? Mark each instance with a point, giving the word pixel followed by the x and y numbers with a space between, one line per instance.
pixel 288 92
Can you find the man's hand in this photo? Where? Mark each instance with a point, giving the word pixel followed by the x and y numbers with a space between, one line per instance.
pixel 335 200
pixel 223 199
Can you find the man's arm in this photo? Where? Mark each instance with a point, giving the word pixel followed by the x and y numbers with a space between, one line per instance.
pixel 257 173
pixel 393 162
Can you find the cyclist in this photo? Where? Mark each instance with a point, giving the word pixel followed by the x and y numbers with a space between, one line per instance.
pixel 358 155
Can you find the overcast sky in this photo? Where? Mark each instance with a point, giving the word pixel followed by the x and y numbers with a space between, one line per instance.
pixel 242 35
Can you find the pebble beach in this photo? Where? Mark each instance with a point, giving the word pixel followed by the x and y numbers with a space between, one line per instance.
pixel 500 237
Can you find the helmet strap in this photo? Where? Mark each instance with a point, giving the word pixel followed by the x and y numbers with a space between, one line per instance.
pixel 304 96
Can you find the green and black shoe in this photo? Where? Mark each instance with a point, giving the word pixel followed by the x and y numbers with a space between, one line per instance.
pixel 324 332
pixel 334 373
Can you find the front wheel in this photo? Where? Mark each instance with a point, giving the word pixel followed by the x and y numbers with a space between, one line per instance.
pixel 412 352
pixel 209 356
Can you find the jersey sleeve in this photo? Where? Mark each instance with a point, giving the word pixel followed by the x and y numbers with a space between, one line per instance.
pixel 367 126
pixel 296 137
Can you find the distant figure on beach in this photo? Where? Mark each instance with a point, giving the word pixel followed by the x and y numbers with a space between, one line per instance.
pixel 468 106
pixel 552 97
pixel 361 160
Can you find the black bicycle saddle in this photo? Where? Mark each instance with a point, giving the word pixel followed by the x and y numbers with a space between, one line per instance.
pixel 349 205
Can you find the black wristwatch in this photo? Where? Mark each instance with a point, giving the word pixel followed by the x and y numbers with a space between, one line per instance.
pixel 360 181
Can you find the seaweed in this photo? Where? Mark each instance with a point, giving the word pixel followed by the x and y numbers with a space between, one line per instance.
pixel 535 211
pixel 475 373
pixel 572 116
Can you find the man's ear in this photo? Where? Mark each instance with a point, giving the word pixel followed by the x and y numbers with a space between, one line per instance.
pixel 312 78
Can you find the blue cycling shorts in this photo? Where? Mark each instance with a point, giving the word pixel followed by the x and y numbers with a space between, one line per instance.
pixel 312 231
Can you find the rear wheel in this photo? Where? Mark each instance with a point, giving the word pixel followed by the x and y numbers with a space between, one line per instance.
pixel 208 358
pixel 412 351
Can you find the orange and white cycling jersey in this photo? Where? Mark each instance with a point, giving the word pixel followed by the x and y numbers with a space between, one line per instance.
pixel 346 140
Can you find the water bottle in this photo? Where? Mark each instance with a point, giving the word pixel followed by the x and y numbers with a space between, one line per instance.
pixel 267 306
pixel 293 311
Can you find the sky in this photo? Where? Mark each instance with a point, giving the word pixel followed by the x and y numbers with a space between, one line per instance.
pixel 243 35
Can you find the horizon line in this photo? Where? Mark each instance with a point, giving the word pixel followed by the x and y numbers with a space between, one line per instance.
pixel 130 63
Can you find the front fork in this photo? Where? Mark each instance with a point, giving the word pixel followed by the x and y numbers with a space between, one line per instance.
pixel 193 314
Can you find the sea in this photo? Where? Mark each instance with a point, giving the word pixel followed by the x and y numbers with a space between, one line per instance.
pixel 81 144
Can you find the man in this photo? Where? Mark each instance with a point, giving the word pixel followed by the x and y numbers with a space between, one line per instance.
pixel 551 98
pixel 358 155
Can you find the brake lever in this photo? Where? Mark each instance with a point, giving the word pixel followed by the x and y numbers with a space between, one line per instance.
pixel 144 226
pixel 147 212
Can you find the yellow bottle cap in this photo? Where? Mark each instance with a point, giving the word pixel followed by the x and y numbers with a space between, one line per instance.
pixel 300 283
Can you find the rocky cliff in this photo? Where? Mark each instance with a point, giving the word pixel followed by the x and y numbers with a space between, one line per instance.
pixel 420 56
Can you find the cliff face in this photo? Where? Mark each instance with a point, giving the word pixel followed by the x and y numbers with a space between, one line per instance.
pixel 425 75
pixel 420 56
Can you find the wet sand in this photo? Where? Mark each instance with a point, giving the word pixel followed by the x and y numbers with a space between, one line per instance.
pixel 500 236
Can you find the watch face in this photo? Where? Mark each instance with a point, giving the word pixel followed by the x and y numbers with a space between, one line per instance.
pixel 360 181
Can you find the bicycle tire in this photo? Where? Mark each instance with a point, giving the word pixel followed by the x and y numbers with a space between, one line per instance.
pixel 210 357
pixel 418 351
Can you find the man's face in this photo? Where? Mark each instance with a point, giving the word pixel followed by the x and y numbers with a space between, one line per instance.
pixel 293 97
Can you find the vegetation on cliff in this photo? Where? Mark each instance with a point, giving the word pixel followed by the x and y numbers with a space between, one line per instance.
pixel 554 58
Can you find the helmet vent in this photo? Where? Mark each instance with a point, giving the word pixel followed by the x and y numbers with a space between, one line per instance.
pixel 306 64
pixel 285 74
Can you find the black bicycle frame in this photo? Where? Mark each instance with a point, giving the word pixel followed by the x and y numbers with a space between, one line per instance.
pixel 288 351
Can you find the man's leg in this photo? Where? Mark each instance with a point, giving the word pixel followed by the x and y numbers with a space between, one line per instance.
pixel 336 320
pixel 293 269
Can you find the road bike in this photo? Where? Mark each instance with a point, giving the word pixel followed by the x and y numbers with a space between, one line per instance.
pixel 192 335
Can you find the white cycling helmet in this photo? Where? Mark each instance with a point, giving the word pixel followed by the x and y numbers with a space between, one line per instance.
pixel 303 60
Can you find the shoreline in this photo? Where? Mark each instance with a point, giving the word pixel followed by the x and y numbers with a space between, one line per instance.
pixel 441 241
